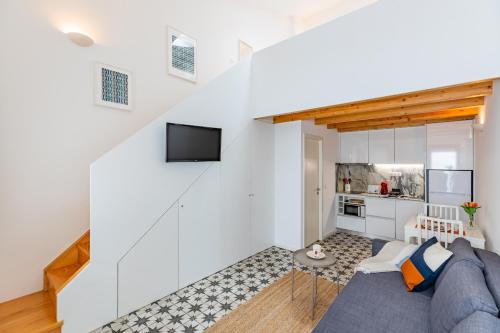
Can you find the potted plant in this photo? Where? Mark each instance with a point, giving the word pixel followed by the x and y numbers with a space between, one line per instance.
pixel 470 208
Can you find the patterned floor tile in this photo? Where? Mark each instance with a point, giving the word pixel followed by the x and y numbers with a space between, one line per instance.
pixel 197 307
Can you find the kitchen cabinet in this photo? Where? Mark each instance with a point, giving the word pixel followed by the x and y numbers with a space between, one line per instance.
pixel 351 223
pixel 405 210
pixel 354 147
pixel 410 145
pixel 380 226
pixel 380 217
pixel 450 146
pixel 380 207
pixel 381 146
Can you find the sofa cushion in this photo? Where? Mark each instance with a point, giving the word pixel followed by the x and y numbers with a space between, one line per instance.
pixel 424 266
pixel 462 250
pixel 462 292
pixel 372 302
pixel 491 263
pixel 478 322
pixel 377 245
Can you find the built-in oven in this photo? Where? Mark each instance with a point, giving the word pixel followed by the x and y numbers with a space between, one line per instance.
pixel 352 206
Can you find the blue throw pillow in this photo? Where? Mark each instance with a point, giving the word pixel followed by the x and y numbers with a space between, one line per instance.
pixel 421 270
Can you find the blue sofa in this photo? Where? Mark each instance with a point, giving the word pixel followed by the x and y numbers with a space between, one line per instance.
pixel 465 298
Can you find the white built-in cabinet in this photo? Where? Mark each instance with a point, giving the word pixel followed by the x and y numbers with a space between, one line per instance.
pixel 200 223
pixel 354 147
pixel 381 146
pixel 234 220
pixel 450 146
pixel 410 145
pixel 149 269
pixel 380 217
pixel 351 223
pixel 405 210
pixel 224 216
pixel 447 146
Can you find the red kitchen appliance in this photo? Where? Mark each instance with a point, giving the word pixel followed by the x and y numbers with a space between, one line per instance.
pixel 384 188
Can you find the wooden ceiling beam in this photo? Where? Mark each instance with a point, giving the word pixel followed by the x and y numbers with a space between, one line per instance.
pixel 469 112
pixel 457 92
pixel 404 111
pixel 406 124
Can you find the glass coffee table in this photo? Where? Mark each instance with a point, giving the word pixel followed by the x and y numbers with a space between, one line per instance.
pixel 328 261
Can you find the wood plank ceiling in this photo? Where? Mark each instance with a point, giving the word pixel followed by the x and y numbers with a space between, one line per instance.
pixel 453 103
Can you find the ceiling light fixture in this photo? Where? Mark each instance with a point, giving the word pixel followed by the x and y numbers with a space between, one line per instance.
pixel 80 39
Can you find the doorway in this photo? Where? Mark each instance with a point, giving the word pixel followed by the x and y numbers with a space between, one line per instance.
pixel 312 189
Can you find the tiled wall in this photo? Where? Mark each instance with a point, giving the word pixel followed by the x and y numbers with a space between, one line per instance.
pixel 409 178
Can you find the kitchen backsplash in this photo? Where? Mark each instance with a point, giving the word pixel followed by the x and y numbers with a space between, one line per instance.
pixel 409 178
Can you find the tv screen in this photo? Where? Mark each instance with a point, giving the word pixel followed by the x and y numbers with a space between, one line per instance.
pixel 186 143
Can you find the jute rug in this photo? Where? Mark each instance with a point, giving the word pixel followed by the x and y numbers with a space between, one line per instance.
pixel 272 310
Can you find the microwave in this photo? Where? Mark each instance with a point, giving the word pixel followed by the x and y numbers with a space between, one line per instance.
pixel 352 206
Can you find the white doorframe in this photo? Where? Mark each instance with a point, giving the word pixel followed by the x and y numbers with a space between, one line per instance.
pixel 320 205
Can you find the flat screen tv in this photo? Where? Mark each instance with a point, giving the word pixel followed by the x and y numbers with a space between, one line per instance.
pixel 187 143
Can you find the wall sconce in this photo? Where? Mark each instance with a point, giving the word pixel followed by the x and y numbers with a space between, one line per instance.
pixel 80 39
pixel 478 124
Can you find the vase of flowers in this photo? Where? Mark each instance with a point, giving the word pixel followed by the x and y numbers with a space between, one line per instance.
pixel 471 208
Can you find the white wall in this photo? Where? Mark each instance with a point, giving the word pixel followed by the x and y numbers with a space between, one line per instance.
pixel 288 185
pixel 289 180
pixel 487 160
pixel 339 9
pixel 50 130
pixel 389 47
pixel 132 187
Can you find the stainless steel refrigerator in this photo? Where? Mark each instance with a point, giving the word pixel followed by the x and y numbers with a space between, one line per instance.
pixel 450 187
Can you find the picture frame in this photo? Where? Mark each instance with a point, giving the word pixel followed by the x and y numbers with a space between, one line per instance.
pixel 182 55
pixel 113 87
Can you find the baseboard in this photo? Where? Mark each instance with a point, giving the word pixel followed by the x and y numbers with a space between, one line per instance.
pixel 364 234
pixel 328 234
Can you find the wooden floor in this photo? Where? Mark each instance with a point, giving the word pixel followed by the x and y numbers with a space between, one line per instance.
pixel 273 311
pixel 29 314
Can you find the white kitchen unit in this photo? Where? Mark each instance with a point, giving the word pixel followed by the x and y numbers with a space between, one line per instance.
pixel 450 146
pixel 406 210
pixel 351 223
pixel 410 145
pixel 381 207
pixel 380 226
pixel 354 147
pixel 380 217
pixel 381 146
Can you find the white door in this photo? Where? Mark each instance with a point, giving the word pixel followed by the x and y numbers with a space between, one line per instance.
pixel 312 189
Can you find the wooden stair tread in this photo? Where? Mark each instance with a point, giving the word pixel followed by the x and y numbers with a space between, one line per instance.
pixel 31 313
pixel 85 248
pixel 57 277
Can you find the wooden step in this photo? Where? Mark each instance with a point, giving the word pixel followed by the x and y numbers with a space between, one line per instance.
pixel 83 252
pixel 29 314
pixel 58 277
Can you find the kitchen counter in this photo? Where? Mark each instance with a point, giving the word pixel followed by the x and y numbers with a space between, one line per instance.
pixel 370 195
